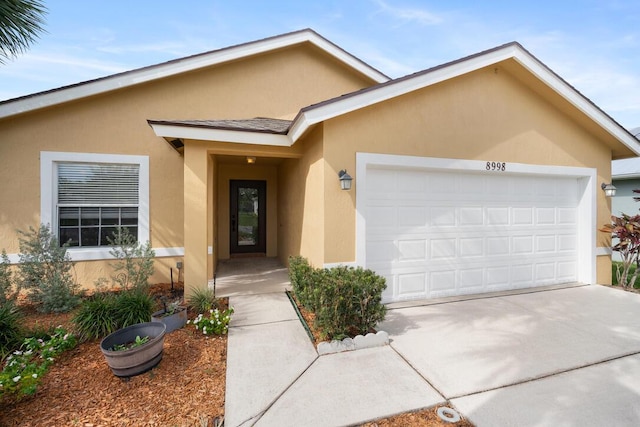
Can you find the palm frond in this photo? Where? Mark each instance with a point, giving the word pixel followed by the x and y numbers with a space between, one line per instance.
pixel 21 23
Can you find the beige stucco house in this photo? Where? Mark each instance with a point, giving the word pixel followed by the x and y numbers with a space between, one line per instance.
pixel 478 175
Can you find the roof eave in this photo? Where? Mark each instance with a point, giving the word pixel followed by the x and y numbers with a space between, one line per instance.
pixel 624 177
pixel 309 116
pixel 50 98
pixel 171 132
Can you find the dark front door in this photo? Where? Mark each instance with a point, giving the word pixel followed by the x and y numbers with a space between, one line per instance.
pixel 248 217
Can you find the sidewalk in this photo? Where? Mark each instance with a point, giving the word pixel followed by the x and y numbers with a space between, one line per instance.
pixel 561 356
pixel 276 378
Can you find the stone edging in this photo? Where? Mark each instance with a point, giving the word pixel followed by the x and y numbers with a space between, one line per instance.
pixel 359 342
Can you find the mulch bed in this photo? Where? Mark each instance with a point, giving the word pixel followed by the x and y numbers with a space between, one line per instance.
pixel 185 389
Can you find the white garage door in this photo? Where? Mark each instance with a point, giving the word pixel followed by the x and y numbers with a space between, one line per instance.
pixel 435 234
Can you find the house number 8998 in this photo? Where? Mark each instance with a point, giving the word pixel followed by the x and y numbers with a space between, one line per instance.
pixel 496 166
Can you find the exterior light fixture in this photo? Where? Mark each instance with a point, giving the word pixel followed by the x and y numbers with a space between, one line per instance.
pixel 251 160
pixel 345 180
pixel 609 189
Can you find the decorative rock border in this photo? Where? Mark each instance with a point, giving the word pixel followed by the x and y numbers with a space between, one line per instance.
pixel 378 339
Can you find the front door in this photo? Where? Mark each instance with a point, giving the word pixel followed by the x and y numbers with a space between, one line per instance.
pixel 248 217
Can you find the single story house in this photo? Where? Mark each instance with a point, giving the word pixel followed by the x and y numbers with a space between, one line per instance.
pixel 478 175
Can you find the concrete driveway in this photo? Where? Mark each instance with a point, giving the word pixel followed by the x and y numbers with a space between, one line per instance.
pixel 566 357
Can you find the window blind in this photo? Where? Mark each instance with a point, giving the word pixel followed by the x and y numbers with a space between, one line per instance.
pixel 98 184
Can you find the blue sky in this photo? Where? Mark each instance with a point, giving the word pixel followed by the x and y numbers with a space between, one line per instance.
pixel 594 45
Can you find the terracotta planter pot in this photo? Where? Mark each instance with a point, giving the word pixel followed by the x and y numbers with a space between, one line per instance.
pixel 173 321
pixel 135 361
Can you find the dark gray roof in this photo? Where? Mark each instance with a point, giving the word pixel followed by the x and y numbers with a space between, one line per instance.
pixel 635 132
pixel 257 124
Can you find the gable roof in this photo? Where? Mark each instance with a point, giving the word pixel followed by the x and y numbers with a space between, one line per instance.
pixel 510 51
pixel 311 115
pixel 77 91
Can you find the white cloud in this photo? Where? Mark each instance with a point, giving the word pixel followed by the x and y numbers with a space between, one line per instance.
pixel 41 60
pixel 420 16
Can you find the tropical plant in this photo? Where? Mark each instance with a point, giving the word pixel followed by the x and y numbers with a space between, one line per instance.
pixel 627 230
pixel 45 271
pixel 134 261
pixel 21 22
pixel 202 300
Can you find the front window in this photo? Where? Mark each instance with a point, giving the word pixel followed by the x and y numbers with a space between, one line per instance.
pixel 94 199
pixel 86 197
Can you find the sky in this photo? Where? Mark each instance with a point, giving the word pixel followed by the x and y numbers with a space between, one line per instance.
pixel 593 44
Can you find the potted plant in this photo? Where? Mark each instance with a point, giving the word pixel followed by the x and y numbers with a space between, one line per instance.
pixel 173 315
pixel 135 349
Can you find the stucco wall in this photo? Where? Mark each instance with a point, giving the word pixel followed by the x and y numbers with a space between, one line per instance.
pixel 269 85
pixel 482 116
pixel 300 203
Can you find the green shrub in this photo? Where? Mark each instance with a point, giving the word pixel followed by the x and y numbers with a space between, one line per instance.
pixel 300 275
pixel 10 328
pixel 45 271
pixel 134 261
pixel 345 300
pixel 202 300
pixel 97 316
pixel 349 301
pixel 134 306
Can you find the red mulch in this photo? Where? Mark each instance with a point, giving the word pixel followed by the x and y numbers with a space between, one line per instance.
pixel 185 389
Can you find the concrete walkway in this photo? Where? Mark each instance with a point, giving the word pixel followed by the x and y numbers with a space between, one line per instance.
pixel 558 357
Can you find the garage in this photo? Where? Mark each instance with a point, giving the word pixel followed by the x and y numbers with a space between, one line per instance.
pixel 437 227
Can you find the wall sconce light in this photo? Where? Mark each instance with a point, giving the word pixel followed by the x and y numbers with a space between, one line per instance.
pixel 609 189
pixel 251 160
pixel 345 180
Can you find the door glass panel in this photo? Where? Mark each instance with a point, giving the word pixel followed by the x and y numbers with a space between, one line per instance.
pixel 247 216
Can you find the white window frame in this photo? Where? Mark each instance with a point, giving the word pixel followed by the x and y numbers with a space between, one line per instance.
pixel 48 195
